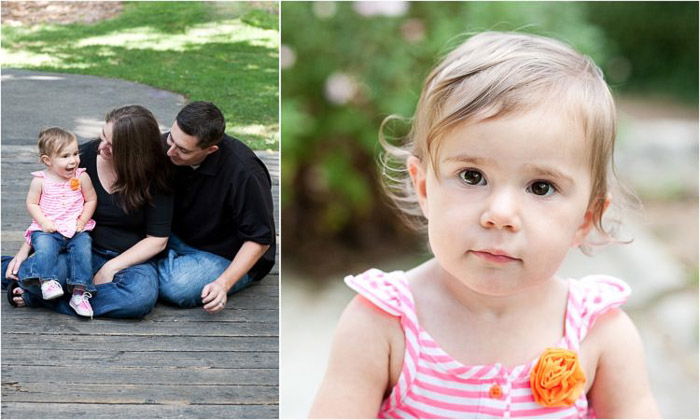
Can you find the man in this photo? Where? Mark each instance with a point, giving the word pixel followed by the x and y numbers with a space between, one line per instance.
pixel 223 227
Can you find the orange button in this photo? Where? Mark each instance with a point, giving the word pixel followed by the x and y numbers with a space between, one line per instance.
pixel 495 391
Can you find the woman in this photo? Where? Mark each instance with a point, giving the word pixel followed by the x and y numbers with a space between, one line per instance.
pixel 129 170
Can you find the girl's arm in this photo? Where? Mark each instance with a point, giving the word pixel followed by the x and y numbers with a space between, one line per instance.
pixel 141 251
pixel 90 197
pixel 358 375
pixel 621 387
pixel 33 197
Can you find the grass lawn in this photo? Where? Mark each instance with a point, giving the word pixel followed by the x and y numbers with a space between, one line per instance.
pixel 223 52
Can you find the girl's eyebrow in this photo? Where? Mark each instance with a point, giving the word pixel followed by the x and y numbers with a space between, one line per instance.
pixel 549 172
pixel 476 160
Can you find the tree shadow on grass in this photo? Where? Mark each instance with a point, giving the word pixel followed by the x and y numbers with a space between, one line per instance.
pixel 237 70
pixel 173 18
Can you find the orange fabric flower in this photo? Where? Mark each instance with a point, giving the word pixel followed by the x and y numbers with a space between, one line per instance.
pixel 557 379
pixel 74 184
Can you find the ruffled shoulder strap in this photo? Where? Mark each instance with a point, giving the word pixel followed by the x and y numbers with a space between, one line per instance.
pixel 388 291
pixel 79 171
pixel 591 297
pixel 39 174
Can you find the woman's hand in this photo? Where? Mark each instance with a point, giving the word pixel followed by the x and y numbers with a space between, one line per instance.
pixel 214 297
pixel 105 274
pixel 13 266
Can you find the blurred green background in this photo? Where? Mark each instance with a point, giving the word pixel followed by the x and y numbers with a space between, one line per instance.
pixel 355 63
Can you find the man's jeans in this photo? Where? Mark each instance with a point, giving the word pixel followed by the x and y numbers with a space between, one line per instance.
pixel 43 263
pixel 184 272
pixel 131 294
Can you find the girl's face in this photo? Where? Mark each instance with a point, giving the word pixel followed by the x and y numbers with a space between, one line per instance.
pixel 510 199
pixel 63 163
pixel 105 147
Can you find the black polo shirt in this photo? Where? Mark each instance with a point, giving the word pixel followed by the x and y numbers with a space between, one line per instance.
pixel 225 202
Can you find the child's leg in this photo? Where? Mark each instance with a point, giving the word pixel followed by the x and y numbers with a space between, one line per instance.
pixel 79 250
pixel 42 265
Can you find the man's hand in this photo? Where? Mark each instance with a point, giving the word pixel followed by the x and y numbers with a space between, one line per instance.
pixel 214 297
pixel 105 274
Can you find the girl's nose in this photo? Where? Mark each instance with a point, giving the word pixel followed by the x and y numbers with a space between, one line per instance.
pixel 501 212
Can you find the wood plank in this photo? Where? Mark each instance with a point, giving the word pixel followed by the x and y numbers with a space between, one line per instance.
pixel 134 411
pixel 120 358
pixel 20 343
pixel 139 394
pixel 140 375
pixel 230 318
pixel 70 326
pixel 250 301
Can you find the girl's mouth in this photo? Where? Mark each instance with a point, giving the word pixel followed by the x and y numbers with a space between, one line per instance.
pixel 495 256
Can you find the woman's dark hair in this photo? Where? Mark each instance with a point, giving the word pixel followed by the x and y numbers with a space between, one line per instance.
pixel 204 121
pixel 140 163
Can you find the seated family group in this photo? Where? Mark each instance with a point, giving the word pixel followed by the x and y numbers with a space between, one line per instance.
pixel 138 216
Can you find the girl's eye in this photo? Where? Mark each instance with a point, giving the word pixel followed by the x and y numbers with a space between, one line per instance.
pixel 472 177
pixel 542 188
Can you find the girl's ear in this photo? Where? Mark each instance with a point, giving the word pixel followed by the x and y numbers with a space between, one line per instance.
pixel 585 228
pixel 417 171
pixel 46 160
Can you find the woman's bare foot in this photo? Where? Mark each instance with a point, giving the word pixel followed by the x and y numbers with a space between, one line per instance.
pixel 17 293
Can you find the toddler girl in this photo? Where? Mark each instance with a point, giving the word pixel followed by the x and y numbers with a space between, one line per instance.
pixel 61 200
pixel 508 165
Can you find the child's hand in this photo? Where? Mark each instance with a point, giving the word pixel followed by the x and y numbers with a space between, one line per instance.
pixel 79 225
pixel 48 226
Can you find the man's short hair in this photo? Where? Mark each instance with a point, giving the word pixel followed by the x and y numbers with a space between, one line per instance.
pixel 204 121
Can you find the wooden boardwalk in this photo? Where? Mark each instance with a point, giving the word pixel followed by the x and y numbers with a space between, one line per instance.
pixel 175 363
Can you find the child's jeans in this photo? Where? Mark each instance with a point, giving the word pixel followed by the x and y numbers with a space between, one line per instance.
pixel 43 264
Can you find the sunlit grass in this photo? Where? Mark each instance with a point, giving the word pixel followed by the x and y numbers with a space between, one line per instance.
pixel 218 52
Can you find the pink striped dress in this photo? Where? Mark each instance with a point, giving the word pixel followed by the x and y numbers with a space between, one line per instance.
pixel 434 385
pixel 60 203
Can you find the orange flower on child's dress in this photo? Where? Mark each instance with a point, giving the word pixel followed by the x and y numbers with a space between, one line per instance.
pixel 557 379
pixel 74 184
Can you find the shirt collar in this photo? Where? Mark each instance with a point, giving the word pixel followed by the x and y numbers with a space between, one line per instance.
pixel 210 164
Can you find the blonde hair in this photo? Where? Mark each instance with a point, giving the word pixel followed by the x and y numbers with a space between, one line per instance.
pixel 494 74
pixel 53 139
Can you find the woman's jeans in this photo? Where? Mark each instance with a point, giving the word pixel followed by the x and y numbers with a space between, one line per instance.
pixel 184 271
pixel 132 293
pixel 44 262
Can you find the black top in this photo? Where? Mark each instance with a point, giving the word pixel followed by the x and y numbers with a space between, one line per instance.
pixel 225 202
pixel 116 230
